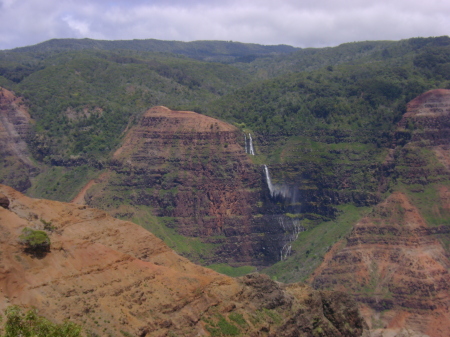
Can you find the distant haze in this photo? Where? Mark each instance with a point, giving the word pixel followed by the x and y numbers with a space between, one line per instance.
pixel 300 23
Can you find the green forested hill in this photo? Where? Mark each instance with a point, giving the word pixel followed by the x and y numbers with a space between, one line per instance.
pixel 220 51
pixel 82 101
pixel 369 97
pixel 83 93
pixel 309 59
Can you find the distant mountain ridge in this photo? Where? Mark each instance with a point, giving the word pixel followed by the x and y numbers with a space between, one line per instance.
pixel 222 51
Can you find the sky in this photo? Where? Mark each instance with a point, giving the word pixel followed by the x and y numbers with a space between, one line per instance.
pixel 301 23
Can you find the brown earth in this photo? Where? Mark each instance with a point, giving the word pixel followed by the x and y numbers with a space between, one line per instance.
pixel 80 197
pixel 394 261
pixel 192 170
pixel 15 125
pixel 113 276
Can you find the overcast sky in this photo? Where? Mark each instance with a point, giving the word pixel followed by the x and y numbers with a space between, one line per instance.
pixel 301 23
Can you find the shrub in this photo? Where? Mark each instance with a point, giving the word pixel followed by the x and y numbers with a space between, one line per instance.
pixel 35 242
pixel 29 324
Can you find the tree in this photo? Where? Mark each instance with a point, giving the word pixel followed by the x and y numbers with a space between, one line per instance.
pixel 30 324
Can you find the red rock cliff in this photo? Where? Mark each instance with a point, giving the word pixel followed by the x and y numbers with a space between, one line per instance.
pixel 193 171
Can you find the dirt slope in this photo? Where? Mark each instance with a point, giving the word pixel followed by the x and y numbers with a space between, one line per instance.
pixel 110 276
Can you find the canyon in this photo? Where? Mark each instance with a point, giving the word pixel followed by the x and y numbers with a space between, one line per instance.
pixel 192 172
pixel 339 177
pixel 112 276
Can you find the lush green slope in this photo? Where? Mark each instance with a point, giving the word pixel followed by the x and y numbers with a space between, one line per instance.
pixel 309 59
pixel 364 100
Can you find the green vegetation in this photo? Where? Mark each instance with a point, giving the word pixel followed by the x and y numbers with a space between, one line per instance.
pixel 311 246
pixel 30 324
pixel 190 247
pixel 231 271
pixel 83 99
pixel 61 183
pixel 35 242
pixel 238 318
pixel 220 326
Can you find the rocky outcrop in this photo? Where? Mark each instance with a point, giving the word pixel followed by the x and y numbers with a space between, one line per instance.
pixel 427 119
pixel 16 167
pixel 4 201
pixel 114 277
pixel 192 172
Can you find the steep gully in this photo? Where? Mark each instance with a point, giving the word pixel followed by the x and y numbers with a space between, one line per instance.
pixel 16 166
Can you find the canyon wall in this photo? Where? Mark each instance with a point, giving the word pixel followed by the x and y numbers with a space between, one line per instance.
pixel 395 261
pixel 193 173
pixel 112 276
pixel 16 166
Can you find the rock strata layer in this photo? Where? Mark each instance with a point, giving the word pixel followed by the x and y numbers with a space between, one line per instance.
pixel 15 163
pixel 113 277
pixel 192 172
pixel 396 261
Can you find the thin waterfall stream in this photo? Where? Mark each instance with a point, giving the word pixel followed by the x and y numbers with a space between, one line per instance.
pixel 291 226
pixel 251 149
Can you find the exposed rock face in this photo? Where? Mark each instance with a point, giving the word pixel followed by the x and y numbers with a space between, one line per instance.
pixel 396 260
pixel 111 276
pixel 428 118
pixel 4 201
pixel 15 164
pixel 193 171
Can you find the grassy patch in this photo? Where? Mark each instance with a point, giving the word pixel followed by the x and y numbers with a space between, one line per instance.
pixel 190 247
pixel 221 327
pixel 429 202
pixel 231 271
pixel 61 183
pixel 311 245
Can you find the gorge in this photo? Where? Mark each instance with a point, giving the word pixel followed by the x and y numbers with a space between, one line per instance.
pixel 327 166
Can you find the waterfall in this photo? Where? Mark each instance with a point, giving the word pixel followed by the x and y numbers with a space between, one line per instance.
pixel 246 147
pixel 269 181
pixel 291 227
pixel 294 227
pixel 251 149
pixel 289 193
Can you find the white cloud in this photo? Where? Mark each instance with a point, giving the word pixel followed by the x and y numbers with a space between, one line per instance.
pixel 78 26
pixel 306 23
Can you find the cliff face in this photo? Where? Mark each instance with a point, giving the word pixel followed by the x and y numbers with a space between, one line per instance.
pixel 396 260
pixel 15 164
pixel 113 276
pixel 394 263
pixel 193 173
